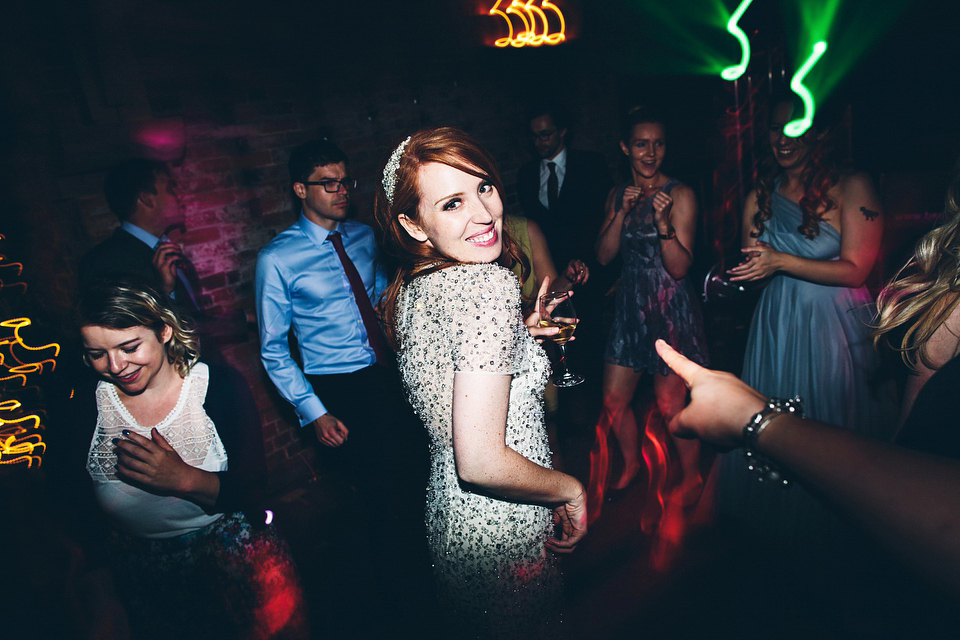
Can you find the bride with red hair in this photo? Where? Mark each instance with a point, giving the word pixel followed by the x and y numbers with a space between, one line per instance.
pixel 475 376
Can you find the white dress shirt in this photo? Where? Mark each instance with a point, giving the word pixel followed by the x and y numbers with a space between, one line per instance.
pixel 561 169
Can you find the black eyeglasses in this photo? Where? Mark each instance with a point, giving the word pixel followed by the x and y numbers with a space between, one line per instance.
pixel 543 135
pixel 332 186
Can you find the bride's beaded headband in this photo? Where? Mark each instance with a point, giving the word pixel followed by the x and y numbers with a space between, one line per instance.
pixel 390 171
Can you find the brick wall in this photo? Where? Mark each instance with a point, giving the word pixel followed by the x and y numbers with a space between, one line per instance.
pixel 100 70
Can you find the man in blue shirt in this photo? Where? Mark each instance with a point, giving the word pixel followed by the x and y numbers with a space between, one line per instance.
pixel 301 283
pixel 348 390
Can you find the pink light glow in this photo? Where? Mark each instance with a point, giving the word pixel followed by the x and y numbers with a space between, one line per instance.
pixel 599 467
pixel 159 139
pixel 654 448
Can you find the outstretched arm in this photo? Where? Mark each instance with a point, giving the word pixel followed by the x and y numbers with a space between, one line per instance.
pixel 909 500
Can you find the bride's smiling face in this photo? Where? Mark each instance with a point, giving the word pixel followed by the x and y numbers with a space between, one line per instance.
pixel 460 215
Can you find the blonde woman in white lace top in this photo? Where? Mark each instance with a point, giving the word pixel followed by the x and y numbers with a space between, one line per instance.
pixel 175 458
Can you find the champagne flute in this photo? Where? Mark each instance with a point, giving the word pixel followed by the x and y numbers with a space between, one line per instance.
pixel 556 310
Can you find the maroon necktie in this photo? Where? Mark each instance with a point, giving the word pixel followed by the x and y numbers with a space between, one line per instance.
pixel 370 322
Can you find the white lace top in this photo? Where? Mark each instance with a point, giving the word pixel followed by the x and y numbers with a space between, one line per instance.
pixel 187 428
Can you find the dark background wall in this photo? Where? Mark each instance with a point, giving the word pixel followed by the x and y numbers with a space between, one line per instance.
pixel 225 89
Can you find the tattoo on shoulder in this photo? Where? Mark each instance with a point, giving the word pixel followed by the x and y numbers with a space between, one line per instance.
pixel 868 214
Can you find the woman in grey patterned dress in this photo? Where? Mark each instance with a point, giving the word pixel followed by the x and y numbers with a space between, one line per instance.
pixel 475 376
pixel 651 222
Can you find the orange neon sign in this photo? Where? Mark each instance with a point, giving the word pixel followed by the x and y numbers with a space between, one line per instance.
pixel 6 265
pixel 534 21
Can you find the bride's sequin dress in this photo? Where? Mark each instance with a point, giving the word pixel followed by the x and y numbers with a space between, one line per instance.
pixel 495 576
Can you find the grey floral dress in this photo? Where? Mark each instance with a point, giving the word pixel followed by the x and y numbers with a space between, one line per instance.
pixel 651 304
pixel 495 576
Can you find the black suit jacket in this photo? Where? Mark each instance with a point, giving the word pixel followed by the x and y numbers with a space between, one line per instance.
pixel 572 229
pixel 120 253
pixel 123 253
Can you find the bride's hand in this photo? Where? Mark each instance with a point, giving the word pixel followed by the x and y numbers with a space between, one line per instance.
pixel 572 518
pixel 532 321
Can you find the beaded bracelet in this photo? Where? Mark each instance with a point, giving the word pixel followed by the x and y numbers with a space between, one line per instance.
pixel 767 471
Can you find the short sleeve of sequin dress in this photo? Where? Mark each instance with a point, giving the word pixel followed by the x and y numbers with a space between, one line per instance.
pixel 495 577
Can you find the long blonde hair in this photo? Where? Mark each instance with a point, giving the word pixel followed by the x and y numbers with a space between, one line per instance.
pixel 444 145
pixel 926 290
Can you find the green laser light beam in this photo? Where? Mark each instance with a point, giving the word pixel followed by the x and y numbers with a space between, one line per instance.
pixel 796 128
pixel 735 71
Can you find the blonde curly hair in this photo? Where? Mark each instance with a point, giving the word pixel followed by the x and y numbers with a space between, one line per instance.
pixel 122 302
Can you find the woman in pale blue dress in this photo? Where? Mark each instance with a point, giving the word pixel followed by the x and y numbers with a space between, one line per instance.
pixel 813 234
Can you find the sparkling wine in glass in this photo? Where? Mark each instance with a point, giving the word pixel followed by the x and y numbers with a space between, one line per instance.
pixel 556 310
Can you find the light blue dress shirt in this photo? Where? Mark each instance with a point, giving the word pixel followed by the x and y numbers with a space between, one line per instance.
pixel 140 234
pixel 301 284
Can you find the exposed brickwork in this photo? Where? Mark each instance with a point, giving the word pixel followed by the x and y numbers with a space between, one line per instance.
pixel 239 122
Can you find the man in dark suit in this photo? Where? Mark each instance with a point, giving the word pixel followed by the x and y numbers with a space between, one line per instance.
pixel 564 191
pixel 142 194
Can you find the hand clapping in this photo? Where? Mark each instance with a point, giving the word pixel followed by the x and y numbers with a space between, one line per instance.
pixel 762 261
pixel 630 197
pixel 662 204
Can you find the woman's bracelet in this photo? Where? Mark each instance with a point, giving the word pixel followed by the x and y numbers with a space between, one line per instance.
pixel 766 471
pixel 669 235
